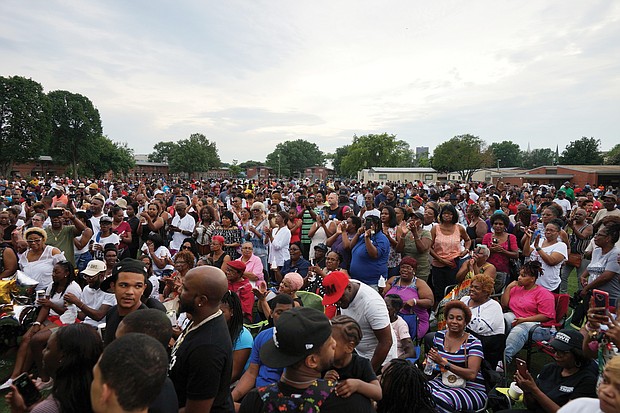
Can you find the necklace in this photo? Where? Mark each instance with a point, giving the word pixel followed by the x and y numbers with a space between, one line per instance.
pixel 54 234
pixel 298 383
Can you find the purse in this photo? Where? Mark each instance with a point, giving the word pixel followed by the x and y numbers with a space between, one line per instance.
pixel 452 380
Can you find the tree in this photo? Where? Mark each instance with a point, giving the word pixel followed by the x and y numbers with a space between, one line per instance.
pixel 507 152
pixel 538 157
pixel 161 151
pixel 108 156
pixel 76 125
pixel 24 121
pixel 337 157
pixel 613 156
pixel 372 150
pixel 293 157
pixel 585 151
pixel 464 154
pixel 234 168
pixel 195 154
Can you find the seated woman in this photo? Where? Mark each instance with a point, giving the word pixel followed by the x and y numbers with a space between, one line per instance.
pixel 476 265
pixel 290 284
pixel 183 262
pixel 530 305
pixel 571 370
pixel 296 263
pixel 240 336
pixel 487 321
pixel 503 247
pixel 217 257
pixel 314 280
pixel 240 285
pixel 416 294
pixel 405 389
pixel 459 355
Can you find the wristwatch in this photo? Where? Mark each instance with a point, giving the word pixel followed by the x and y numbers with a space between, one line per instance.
pixel 538 248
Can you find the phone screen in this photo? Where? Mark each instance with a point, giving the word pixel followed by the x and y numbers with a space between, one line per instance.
pixel 521 367
pixel 27 389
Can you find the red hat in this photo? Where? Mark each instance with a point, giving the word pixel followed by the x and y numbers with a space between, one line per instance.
pixel 237 265
pixel 334 285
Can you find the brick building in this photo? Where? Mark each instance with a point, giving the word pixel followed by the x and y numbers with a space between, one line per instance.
pixel 258 172
pixel 318 172
pixel 576 174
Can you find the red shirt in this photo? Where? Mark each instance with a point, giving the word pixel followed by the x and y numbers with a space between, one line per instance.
pixel 243 288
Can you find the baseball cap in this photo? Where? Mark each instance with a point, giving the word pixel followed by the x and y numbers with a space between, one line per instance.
pixel 334 285
pixel 237 265
pixel 105 218
pixel 127 265
pixel 93 186
pixel 566 339
pixel 418 198
pixel 94 267
pixel 122 203
pixel 321 247
pixel 298 332
pixel 610 195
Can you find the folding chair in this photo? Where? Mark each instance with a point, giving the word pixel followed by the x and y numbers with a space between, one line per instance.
pixel 312 300
pixel 561 311
pixel 412 323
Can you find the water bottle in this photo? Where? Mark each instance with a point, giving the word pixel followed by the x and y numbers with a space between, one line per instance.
pixel 429 367
pixel 553 331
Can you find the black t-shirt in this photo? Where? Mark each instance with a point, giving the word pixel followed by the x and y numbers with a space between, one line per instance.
pixel 201 366
pixel 357 403
pixel 112 320
pixel 564 389
pixel 167 401
pixel 359 368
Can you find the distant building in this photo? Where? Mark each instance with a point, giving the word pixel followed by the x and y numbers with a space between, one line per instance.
pixel 383 174
pixel 43 166
pixel 258 172
pixel 576 174
pixel 318 172
pixel 489 175
pixel 421 151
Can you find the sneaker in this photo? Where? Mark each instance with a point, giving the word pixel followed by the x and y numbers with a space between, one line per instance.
pixel 6 384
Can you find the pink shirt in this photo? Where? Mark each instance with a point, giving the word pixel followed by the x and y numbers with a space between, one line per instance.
pixel 255 266
pixel 524 303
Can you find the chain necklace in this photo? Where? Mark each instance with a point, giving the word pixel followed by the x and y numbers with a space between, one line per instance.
pixel 54 234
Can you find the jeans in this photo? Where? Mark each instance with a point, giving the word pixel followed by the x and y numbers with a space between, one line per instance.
pixel 565 273
pixel 519 334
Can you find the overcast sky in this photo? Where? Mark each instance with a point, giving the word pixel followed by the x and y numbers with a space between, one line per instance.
pixel 251 74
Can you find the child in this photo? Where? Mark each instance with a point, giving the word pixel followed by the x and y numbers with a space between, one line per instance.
pixel 401 330
pixel 353 372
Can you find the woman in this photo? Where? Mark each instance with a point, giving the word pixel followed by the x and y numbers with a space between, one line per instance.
pixel 122 229
pixel 69 358
pixel 80 243
pixel 571 370
pixel 134 223
pixel 218 256
pixel 279 239
pixel 390 229
pixel 503 247
pixel 549 213
pixel 446 250
pixel 253 264
pixel 416 243
pixel 240 336
pixel 529 304
pixel 151 221
pixel 110 256
pixel 487 321
pixel 204 230
pixel 155 249
pixel 294 223
pixel 340 242
pixel 258 238
pixel 183 262
pixel 189 244
pixel 31 348
pixel 431 215
pixel 603 272
pixel 241 286
pixel 416 294
pixel 477 228
pixel 314 281
pixel 153 280
pixel 296 263
pixel 103 237
pixel 550 252
pixel 405 389
pixel 476 265
pixel 244 223
pixel 39 259
pixel 231 234
pixel 320 230
pixel 459 355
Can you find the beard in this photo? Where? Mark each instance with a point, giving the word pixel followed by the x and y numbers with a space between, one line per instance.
pixel 186 307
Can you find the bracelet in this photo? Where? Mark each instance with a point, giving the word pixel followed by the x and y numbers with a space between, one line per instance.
pixel 447 366
pixel 415 302
pixel 538 248
pixel 36 323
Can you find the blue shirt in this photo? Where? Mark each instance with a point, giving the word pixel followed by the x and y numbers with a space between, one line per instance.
pixel 244 341
pixel 301 267
pixel 266 375
pixel 366 269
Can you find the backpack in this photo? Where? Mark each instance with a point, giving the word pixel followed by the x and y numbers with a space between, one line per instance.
pixel 274 401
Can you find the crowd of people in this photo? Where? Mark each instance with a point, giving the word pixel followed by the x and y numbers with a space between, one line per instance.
pixel 303 295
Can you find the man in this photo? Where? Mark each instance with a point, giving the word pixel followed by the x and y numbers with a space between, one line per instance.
pixel 258 374
pixel 368 308
pixel 129 375
pixel 369 207
pixel 95 302
pixel 96 207
pixel 302 343
pixel 382 197
pixel 182 226
pixel 127 281
pixel 335 211
pixel 563 202
pixel 60 235
pixel 369 254
pixel 154 324
pixel 253 264
pixel 201 360
pixel 609 207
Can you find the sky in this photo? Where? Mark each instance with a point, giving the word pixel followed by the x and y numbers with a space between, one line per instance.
pixel 251 74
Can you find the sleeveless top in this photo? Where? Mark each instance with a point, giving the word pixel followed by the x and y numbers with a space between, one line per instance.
pixel 447 246
pixel 407 293
pixel 41 269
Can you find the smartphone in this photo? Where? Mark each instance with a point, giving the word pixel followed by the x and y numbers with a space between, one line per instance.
pixel 601 299
pixel 368 224
pixel 495 240
pixel 27 389
pixel 521 367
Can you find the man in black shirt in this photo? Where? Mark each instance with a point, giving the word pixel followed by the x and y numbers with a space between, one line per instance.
pixel 201 360
pixel 301 343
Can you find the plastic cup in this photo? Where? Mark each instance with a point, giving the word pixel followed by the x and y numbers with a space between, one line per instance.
pixel 514 391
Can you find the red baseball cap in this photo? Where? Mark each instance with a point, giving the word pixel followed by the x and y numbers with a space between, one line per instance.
pixel 334 285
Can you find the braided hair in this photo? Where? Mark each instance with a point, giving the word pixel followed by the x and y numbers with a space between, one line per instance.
pixel 533 268
pixel 349 328
pixel 235 325
pixel 405 389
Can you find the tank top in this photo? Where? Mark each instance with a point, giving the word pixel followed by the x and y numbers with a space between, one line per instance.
pixel 447 246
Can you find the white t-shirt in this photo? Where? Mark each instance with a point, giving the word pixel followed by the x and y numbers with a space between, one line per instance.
pixel 583 404
pixel 160 252
pixel 486 319
pixel 59 298
pixel 369 310
pixel 550 278
pixel 95 299
pixel 401 332
pixel 605 262
pixel 564 203
pixel 187 223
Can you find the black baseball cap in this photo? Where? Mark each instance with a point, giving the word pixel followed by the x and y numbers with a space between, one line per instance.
pixel 126 265
pixel 298 333
pixel 567 339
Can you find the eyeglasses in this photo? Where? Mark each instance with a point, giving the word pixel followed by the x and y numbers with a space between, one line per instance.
pixel 34 241
pixel 186 248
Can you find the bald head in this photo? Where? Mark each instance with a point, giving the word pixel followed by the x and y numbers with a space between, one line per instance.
pixel 209 281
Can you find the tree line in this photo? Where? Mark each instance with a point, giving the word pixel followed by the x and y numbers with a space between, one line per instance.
pixel 61 124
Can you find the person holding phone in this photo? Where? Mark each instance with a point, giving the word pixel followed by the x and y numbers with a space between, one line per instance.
pixel 571 376
pixel 603 271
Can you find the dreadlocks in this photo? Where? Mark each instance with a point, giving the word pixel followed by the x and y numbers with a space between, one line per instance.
pixel 404 389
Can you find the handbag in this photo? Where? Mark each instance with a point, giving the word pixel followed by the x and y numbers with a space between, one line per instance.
pixel 452 380
pixel 574 259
